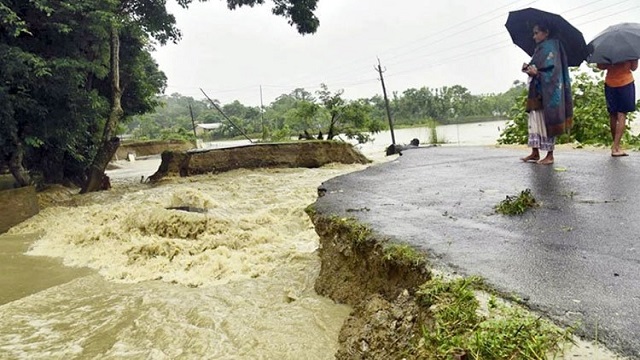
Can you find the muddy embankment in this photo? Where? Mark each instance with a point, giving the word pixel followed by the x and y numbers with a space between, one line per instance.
pixel 309 154
pixel 378 279
pixel 17 205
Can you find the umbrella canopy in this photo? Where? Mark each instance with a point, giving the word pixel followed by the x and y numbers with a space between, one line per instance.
pixel 520 26
pixel 616 44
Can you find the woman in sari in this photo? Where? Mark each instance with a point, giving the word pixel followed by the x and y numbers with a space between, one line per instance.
pixel 549 102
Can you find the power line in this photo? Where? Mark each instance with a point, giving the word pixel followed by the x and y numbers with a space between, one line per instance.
pixel 610 15
pixel 466 56
pixel 419 39
pixel 597 10
pixel 349 73
pixel 436 62
pixel 498 46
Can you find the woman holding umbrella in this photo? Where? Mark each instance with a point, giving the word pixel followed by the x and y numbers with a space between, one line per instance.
pixel 616 49
pixel 620 92
pixel 549 101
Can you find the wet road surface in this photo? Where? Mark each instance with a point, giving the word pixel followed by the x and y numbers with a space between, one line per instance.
pixel 576 257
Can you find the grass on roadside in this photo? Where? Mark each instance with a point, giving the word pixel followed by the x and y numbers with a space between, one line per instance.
pixel 516 205
pixel 459 327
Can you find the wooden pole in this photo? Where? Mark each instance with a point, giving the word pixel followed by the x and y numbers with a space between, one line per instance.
pixel 264 129
pixel 193 122
pixel 386 102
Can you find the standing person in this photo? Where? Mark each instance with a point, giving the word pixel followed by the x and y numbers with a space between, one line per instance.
pixel 620 92
pixel 549 101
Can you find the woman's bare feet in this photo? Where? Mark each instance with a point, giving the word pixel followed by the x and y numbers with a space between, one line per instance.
pixel 546 161
pixel 531 158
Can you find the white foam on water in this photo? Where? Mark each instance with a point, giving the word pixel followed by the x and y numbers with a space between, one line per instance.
pixel 254 221
pixel 235 282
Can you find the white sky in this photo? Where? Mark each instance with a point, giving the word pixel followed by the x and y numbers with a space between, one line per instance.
pixel 230 54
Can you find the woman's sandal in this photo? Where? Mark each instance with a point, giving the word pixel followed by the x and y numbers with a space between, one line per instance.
pixel 618 154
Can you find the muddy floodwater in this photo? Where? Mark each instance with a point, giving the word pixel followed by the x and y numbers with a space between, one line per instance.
pixel 142 281
pixel 116 274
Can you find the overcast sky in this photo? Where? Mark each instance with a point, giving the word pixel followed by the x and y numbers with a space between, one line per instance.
pixel 231 54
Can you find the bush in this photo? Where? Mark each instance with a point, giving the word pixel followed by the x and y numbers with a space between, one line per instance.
pixel 590 117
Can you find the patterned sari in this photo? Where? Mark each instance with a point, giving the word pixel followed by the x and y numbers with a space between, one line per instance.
pixel 550 91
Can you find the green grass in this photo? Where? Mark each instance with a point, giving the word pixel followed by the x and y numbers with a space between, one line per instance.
pixel 505 332
pixel 403 254
pixel 352 229
pixel 516 205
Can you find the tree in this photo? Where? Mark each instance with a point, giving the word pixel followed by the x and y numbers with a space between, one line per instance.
pixel 152 17
pixel 46 94
pixel 350 118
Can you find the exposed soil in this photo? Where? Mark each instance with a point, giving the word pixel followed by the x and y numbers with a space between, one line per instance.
pixel 386 320
pixel 382 329
pixel 309 154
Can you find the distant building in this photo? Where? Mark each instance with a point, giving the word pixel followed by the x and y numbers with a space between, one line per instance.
pixel 124 137
pixel 203 128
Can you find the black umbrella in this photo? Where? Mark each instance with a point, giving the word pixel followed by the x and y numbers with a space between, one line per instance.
pixel 520 26
pixel 616 44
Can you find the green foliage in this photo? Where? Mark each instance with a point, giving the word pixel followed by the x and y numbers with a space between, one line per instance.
pixel 403 254
pixel 50 108
pixel 516 131
pixel 448 105
pixel 590 117
pixel 504 332
pixel 516 205
pixel 351 229
pixel 298 13
pixel 55 83
pixel 299 112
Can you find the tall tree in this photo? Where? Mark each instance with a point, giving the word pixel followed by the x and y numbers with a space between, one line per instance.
pixel 45 91
pixel 152 17
pixel 350 118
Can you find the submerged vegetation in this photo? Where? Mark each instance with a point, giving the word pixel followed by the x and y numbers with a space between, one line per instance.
pixel 516 205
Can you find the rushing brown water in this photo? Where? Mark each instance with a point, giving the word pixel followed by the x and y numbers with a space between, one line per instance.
pixel 234 282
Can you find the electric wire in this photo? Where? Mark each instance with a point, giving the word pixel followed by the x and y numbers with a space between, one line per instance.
pixel 346 82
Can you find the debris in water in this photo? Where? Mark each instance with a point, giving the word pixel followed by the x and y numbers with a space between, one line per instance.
pixel 188 209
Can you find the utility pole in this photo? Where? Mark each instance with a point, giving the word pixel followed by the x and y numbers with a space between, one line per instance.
pixel 193 122
pixel 264 129
pixel 386 102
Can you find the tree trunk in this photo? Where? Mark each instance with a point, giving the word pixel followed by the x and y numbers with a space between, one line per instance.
pixel 15 164
pixel 96 179
pixel 332 134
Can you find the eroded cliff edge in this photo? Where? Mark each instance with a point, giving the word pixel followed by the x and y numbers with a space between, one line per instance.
pixel 309 154
pixel 379 279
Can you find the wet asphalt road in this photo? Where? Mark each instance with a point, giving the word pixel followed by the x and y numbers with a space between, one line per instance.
pixel 576 258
